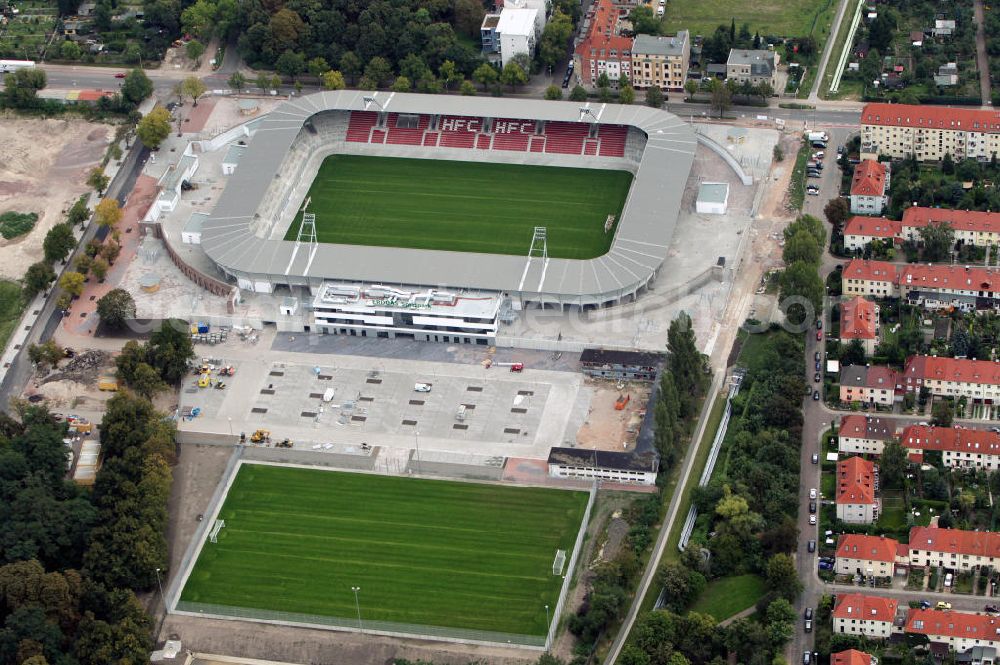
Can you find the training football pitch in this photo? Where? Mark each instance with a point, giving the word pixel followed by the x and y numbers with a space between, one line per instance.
pixel 464 206
pixel 423 552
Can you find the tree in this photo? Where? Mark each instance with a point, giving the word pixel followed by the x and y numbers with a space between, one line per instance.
pixel 194 50
pixel 401 84
pixel 553 93
pixel 199 19
pixel 485 75
pixel 941 414
pixel 237 81
pixel 467 88
pixel 938 241
pixel 782 577
pixel 837 211
pixel 317 67
pixel 892 464
pixel 764 90
pixel 154 128
pixel 947 164
pixel 690 87
pixel 108 212
pixel 350 65
pixel 578 94
pixel 626 95
pixel 333 80
pixel 146 381
pixel 170 350
pixel 97 180
pixel 78 213
pixel 37 278
pixel 654 97
pixel 69 50
pixel 722 97
pixel 555 37
pixel 513 75
pixel 21 87
pixel 58 243
pixel 686 364
pixel 47 353
pixel 802 292
pixel 72 283
pixel 99 268
pixel 469 16
pixel 379 71
pixel 450 74
pixel 136 87
pixel 193 88
pixel 263 81
pixel 680 584
pixel 644 21
pixel 290 64
pixel 801 247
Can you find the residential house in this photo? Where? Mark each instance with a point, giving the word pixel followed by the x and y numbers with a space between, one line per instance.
pixel 953 377
pixel 959 447
pixel 662 62
pixel 869 278
pixel 861 434
pixel 868 384
pixel 489 35
pixel 870 556
pixel 859 321
pixel 857 489
pixel 954 549
pixel 860 231
pixel 852 657
pixel 752 66
pixel 518 33
pixel 861 614
pixel 620 365
pixel 971 227
pixel 606 47
pixel 928 132
pixel 870 188
pixel 962 631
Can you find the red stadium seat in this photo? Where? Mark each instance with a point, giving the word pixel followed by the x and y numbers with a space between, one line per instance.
pixel 613 140
pixel 512 134
pixel 406 135
pixel 458 131
pixel 566 137
pixel 359 128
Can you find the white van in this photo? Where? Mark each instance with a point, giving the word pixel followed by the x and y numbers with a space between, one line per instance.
pixel 422 387
pixel 947 580
pixel 328 395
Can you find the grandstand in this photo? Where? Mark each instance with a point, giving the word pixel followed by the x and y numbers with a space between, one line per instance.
pixel 244 236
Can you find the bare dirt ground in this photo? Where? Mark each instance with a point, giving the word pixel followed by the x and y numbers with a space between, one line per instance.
pixel 606 428
pixel 43 166
pixel 73 385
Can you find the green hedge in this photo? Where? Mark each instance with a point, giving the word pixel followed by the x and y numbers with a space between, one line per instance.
pixel 14 224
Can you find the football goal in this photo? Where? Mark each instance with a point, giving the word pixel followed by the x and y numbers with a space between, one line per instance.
pixel 559 562
pixel 216 528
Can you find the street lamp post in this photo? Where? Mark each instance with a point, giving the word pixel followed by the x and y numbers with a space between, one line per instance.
pixel 548 628
pixel 159 584
pixel 357 604
pixel 416 440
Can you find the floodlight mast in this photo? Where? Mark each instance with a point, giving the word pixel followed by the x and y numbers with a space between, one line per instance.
pixel 586 110
pixel 371 100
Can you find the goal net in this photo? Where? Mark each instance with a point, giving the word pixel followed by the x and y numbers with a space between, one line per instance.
pixel 216 528
pixel 559 562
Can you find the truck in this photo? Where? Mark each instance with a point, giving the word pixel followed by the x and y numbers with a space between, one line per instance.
pixel 8 66
pixel 328 395
pixel 817 136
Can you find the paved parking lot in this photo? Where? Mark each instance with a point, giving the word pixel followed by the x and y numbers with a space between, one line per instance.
pixel 502 413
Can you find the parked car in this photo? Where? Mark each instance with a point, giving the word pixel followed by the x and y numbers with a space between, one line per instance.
pixel 819 366
pixel 925 604
pixel 812 507
pixel 817 356
pixel 809 613
pixel 819 155
pixel 812 520
pixel 815 395
pixel 809 625
pixel 806 658
pixel 825 565
pixel 812 493
pixel 948 579
pixel 120 75
pixel 942 605
pixel 819 324
pixel 812 192
pixel 992 609
pixel 813 174
pixel 811 546
pixel 815 458
pixel 817 378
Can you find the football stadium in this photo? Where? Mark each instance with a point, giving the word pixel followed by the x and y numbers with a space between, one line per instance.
pixel 396 555
pixel 415 215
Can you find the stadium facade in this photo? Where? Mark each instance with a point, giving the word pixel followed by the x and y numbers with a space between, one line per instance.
pixel 244 235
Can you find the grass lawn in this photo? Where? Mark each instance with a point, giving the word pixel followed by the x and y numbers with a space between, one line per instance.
pixel 11 305
pixel 424 552
pixel 464 206
pixel 785 18
pixel 726 596
pixel 893 511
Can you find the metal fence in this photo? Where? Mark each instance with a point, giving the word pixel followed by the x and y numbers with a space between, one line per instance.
pixel 391 628
pixel 577 546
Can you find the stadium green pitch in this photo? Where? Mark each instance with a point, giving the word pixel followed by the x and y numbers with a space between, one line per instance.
pixel 464 206
pixel 423 552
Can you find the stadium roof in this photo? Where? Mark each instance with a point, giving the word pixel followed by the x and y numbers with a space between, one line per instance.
pixel 641 242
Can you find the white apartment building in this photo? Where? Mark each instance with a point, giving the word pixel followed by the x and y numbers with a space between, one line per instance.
pixel 518 33
pixel 860 434
pixel 959 447
pixel 870 556
pixel 954 377
pixel 928 132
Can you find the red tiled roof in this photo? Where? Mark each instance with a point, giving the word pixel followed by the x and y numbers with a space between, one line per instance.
pixel 873 227
pixel 858 319
pixel 976 441
pixel 863 607
pixel 981 372
pixel 960 220
pixel 955 541
pixel 869 179
pixel 960 278
pixel 967 625
pixel 850 657
pixel 930 117
pixel 603 35
pixel 860 426
pixel 877 271
pixel 869 548
pixel 855 481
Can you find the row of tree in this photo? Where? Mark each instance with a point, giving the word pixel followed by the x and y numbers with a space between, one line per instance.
pixel 21 90
pixel 802 288
pixel 51 609
pixel 150 367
